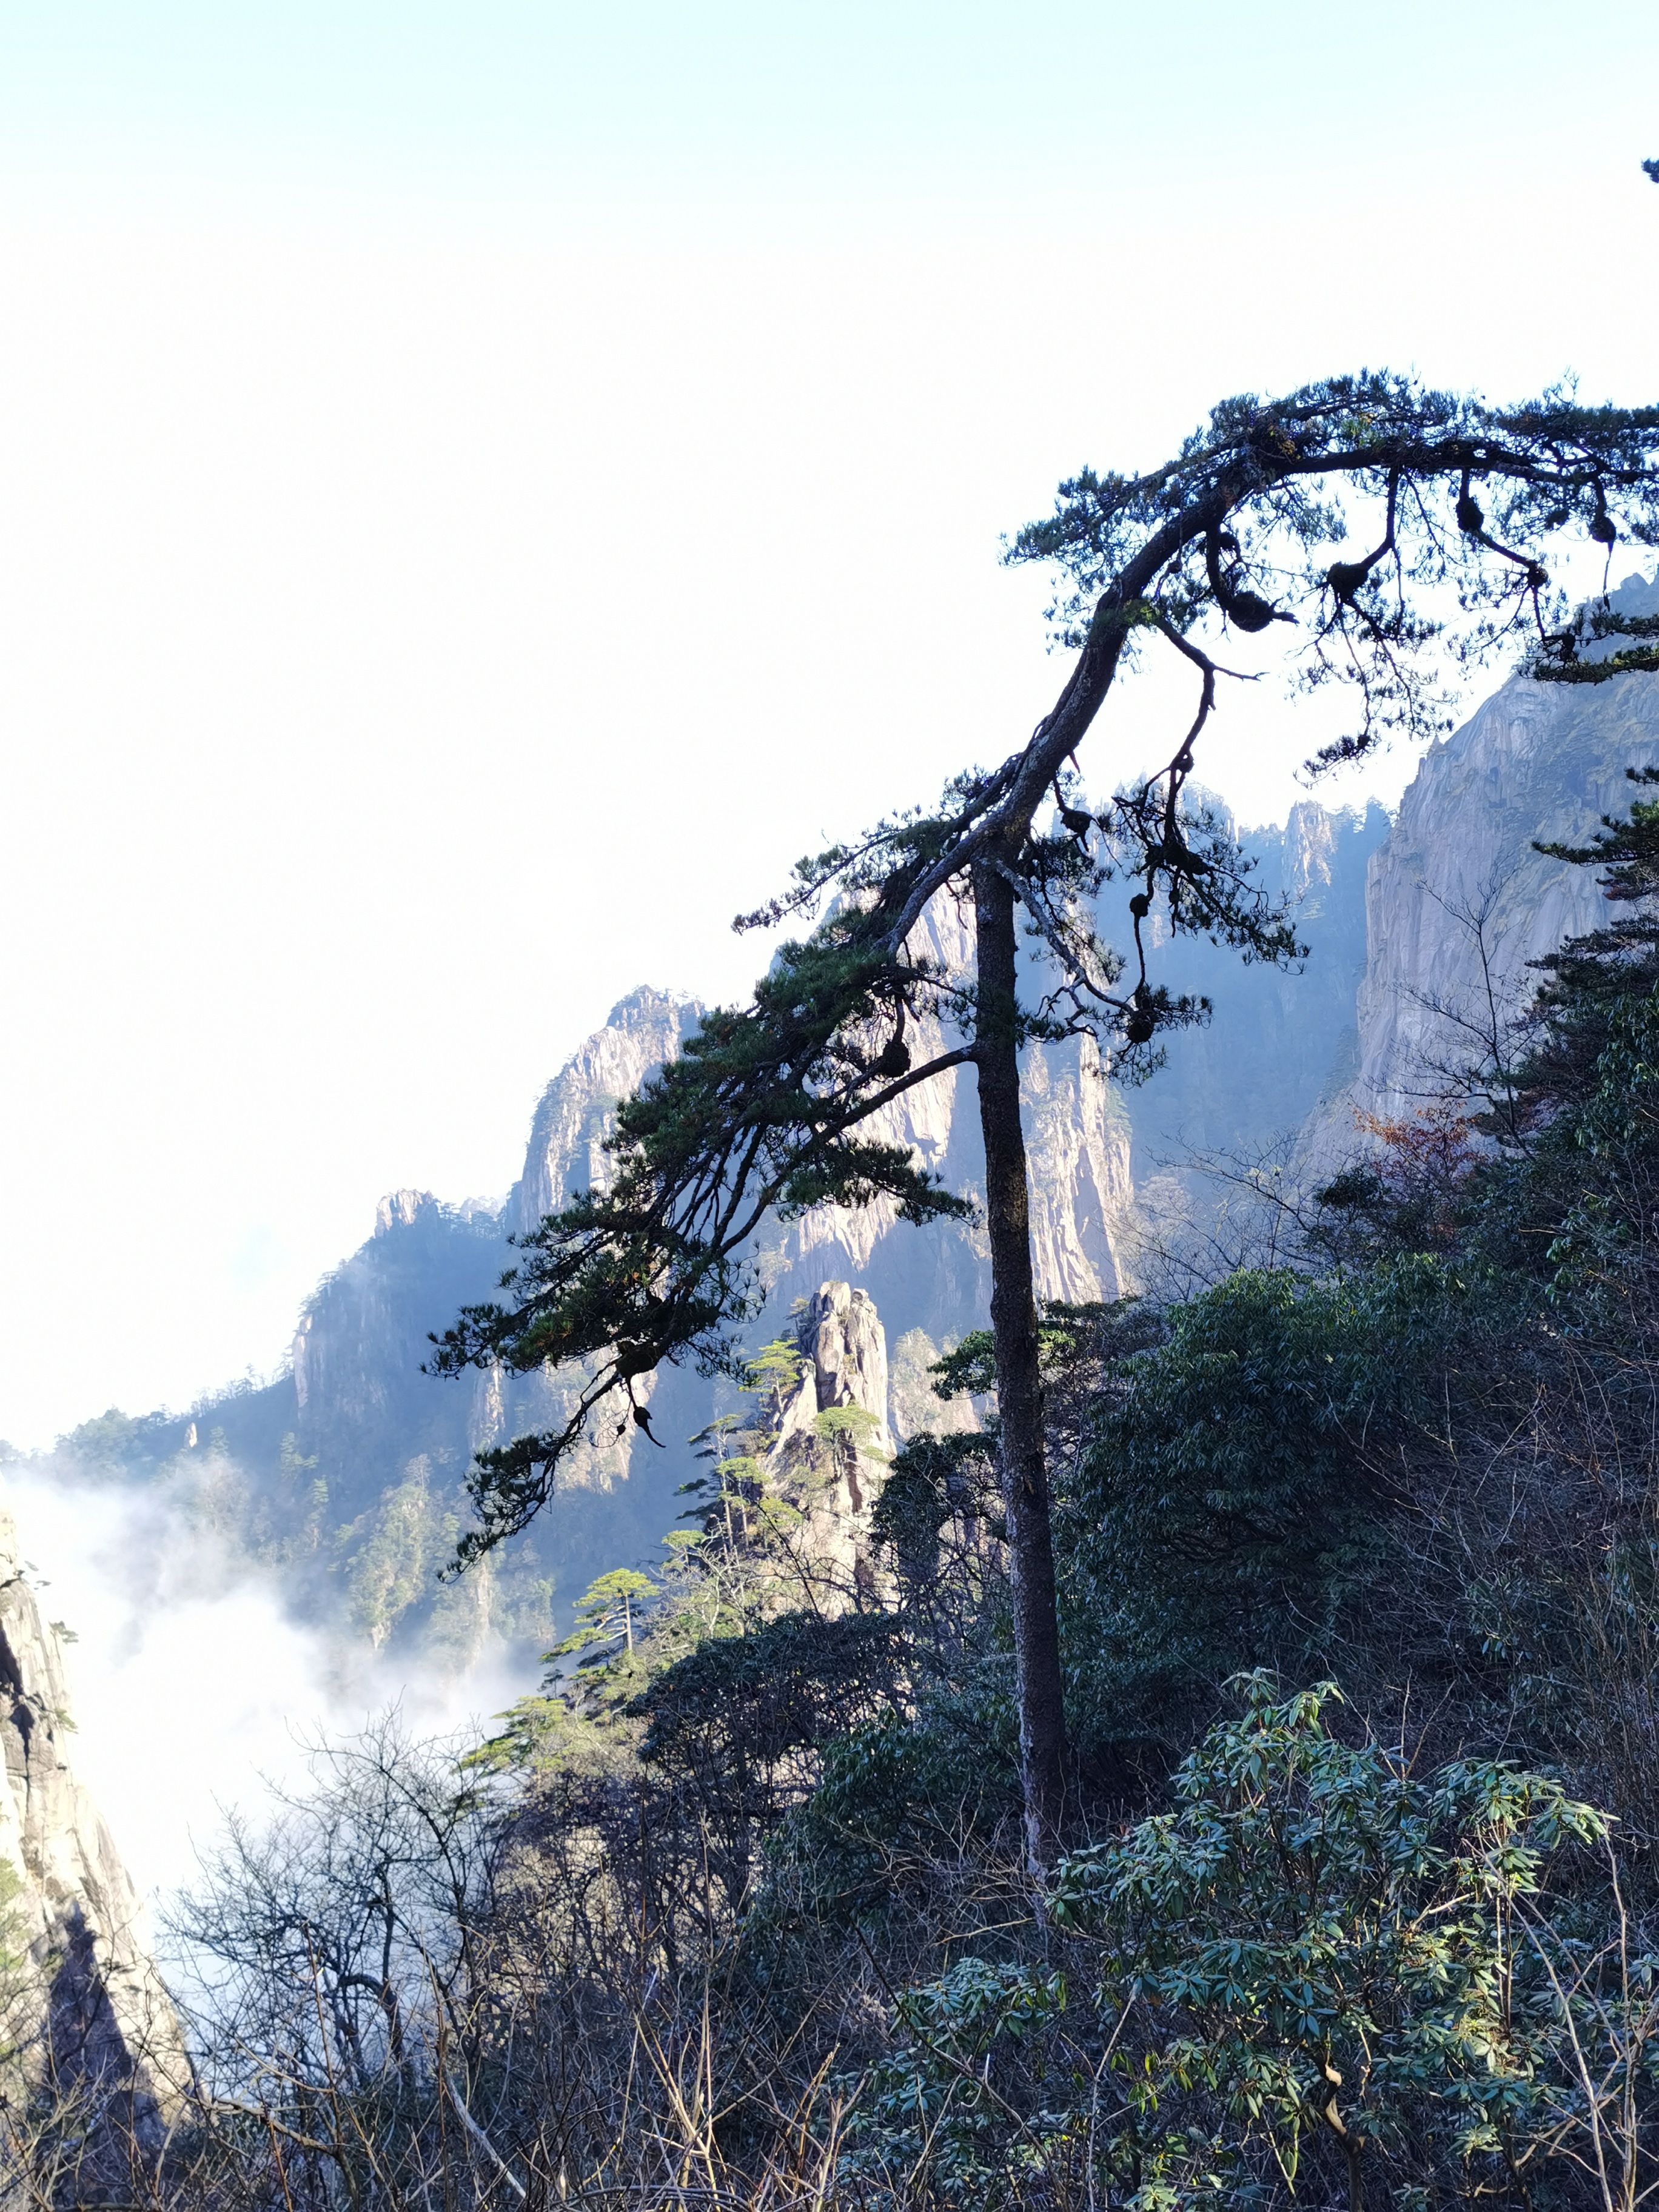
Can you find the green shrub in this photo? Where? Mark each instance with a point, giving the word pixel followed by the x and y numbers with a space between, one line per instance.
pixel 1318 1972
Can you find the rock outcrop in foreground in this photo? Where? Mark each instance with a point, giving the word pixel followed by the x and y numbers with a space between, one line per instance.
pixel 833 1445
pixel 85 2013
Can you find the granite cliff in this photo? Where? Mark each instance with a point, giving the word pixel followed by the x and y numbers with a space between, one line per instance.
pixel 834 1467
pixel 1257 1070
pixel 1459 904
pixel 84 2010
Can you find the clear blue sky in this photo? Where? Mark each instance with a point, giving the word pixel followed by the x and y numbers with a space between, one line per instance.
pixel 983 106
pixel 537 469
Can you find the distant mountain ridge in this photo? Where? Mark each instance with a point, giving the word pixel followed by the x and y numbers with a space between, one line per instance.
pixel 345 1475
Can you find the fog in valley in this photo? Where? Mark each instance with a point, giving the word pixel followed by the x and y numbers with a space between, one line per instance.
pixel 193 1686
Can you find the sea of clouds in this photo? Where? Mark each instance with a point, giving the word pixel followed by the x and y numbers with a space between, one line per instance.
pixel 192 1689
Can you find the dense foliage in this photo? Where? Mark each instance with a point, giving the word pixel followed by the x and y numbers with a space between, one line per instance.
pixel 735 1908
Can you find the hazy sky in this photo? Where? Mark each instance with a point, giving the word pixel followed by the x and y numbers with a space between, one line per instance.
pixel 483 486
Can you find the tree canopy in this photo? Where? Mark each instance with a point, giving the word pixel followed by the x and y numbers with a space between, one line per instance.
pixel 769 1108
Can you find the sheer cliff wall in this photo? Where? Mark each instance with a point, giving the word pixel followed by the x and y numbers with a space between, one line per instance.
pixel 1459 904
pixel 83 2006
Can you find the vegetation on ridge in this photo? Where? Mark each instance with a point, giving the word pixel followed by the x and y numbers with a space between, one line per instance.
pixel 741 1912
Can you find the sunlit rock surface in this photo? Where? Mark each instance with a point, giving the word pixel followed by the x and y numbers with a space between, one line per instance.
pixel 1251 1074
pixel 938 1279
pixel 84 2008
pixel 576 1112
pixel 833 1469
pixel 1459 904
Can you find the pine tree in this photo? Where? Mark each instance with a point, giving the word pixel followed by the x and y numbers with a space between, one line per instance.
pixel 767 1112
pixel 610 1603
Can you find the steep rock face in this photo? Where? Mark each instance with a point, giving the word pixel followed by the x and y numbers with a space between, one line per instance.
pixel 576 1112
pixel 1457 902
pixel 357 1351
pixel 835 1469
pixel 79 1990
pixel 939 1279
pixel 842 1334
pixel 1250 1075
pixel 382 1450
pixel 1082 1197
pixel 360 1404
pixel 1257 1070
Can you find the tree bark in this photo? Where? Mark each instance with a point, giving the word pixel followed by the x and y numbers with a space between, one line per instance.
pixel 1038 1681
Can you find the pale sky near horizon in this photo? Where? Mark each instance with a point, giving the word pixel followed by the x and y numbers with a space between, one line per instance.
pixel 483 487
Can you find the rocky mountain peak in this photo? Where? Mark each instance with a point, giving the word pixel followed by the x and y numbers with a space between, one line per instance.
pixel 1309 835
pixel 1315 845
pixel 577 1111
pixel 401 1209
pixel 841 1333
pixel 833 1469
